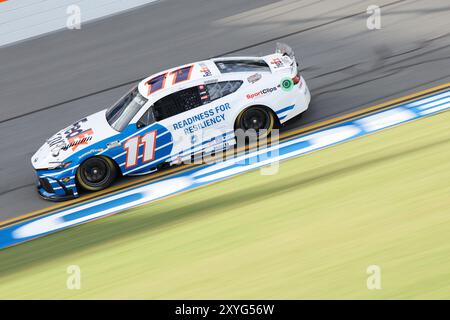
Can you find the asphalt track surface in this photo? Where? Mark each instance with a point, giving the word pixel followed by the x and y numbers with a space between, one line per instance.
pixel 49 82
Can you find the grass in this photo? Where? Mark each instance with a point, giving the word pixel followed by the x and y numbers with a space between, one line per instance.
pixel 309 231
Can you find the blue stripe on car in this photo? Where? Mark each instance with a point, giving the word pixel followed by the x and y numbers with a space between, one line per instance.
pixel 285 109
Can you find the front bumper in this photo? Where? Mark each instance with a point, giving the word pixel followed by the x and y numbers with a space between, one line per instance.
pixel 56 186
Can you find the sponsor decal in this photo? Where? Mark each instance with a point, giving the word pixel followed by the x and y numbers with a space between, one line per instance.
pixel 202 120
pixel 254 78
pixel 65 180
pixel 56 143
pixel 203 93
pixel 204 70
pixel 74 135
pixel 286 84
pixel 113 144
pixel 277 63
pixel 75 129
pixel 261 93
pixel 82 138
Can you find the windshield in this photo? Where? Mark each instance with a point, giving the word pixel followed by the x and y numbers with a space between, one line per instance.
pixel 120 114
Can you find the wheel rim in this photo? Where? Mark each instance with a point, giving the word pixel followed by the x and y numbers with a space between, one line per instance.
pixel 95 172
pixel 256 119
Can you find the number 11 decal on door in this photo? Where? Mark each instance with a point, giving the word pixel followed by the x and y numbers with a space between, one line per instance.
pixel 132 148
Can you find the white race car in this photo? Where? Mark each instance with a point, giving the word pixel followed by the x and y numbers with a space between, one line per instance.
pixel 170 116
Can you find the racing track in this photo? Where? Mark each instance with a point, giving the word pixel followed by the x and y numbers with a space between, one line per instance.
pixel 49 82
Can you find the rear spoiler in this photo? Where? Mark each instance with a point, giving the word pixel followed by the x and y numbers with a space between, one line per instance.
pixel 285 50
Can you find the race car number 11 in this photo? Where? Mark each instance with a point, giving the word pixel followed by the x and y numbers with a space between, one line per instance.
pixel 159 82
pixel 132 145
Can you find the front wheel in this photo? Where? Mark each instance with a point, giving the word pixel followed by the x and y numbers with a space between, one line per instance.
pixel 256 121
pixel 96 173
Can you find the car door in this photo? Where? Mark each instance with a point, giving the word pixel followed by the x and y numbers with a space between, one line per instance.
pixel 181 124
pixel 145 145
pixel 218 97
pixel 191 119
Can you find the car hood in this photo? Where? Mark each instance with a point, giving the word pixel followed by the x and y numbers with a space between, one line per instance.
pixel 81 135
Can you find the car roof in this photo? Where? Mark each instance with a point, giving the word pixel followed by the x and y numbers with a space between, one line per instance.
pixel 205 69
pixel 201 70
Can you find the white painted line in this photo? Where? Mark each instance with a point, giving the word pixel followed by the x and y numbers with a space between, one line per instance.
pixel 430 99
pixel 435 109
pixel 434 103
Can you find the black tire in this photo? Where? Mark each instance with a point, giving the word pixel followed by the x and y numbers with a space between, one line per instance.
pixel 258 118
pixel 96 173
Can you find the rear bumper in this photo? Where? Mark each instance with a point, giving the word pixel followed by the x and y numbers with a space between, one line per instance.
pixel 301 100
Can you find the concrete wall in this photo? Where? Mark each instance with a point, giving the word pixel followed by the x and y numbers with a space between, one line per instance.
pixel 22 19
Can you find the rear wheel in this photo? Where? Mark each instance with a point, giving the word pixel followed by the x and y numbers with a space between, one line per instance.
pixel 256 121
pixel 96 173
